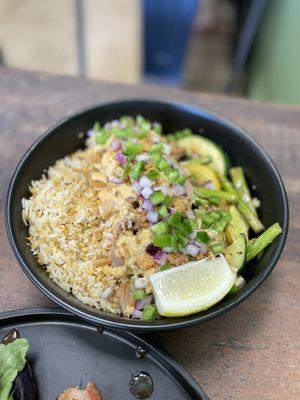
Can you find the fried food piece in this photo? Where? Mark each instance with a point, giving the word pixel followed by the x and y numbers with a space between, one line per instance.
pixel 75 393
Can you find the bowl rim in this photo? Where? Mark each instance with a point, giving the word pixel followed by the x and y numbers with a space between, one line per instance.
pixel 134 325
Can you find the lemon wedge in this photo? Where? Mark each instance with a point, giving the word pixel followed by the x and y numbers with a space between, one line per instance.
pixel 191 287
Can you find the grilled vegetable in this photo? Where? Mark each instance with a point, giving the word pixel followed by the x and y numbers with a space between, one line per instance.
pixel 235 254
pixel 236 226
pixel 250 217
pixel 262 241
pixel 221 194
pixel 239 181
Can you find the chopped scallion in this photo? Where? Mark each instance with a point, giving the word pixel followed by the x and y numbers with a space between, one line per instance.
pixel 149 312
pixel 160 227
pixel 157 197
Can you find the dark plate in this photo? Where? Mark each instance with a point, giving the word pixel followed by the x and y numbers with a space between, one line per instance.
pixel 64 138
pixel 66 352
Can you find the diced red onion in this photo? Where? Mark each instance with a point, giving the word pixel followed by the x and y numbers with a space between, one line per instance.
pixel 151 249
pixel 167 149
pixel 240 282
pixel 136 314
pixel 106 293
pixel 155 138
pixel 142 157
pixel 202 247
pixel 121 158
pixel 193 235
pixel 190 214
pixel 114 123
pixel 160 257
pixel 178 190
pixel 163 188
pixel 146 192
pixel 115 145
pixel 114 179
pixel 136 186
pixel 152 217
pixel 141 304
pixel 144 181
pixel 189 188
pixel 209 185
pixel 90 133
pixel 108 235
pixel 147 205
pixel 139 283
pixel 192 249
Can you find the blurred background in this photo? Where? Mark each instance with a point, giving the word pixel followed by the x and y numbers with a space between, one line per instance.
pixel 248 48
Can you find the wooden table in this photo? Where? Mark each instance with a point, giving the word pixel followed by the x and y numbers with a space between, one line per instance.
pixel 253 351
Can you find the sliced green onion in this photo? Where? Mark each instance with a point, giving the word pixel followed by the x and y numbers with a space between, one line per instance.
pixel 180 134
pixel 182 239
pixel 174 245
pixel 208 219
pixel 156 127
pixel 217 248
pixel 137 169
pixel 200 212
pixel 126 169
pixel 184 229
pixel 132 149
pixel 97 126
pixel 127 121
pixel 201 202
pixel 153 174
pixel 233 289
pixel 220 225
pixel 163 211
pixel 160 227
pixel 162 164
pixel 164 267
pixel 122 133
pixel 163 240
pixel 191 223
pixel 226 215
pixel 138 294
pixel 172 175
pixel 156 148
pixel 215 215
pixel 102 136
pixel 149 312
pixel 175 219
pixel 168 200
pixel 214 200
pixel 157 197
pixel 155 157
pixel 202 237
pixel 181 179
pixel 143 122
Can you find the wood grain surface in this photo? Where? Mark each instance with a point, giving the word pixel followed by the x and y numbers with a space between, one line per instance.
pixel 251 352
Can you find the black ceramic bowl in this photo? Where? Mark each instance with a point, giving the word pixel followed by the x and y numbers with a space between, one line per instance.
pixel 64 138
